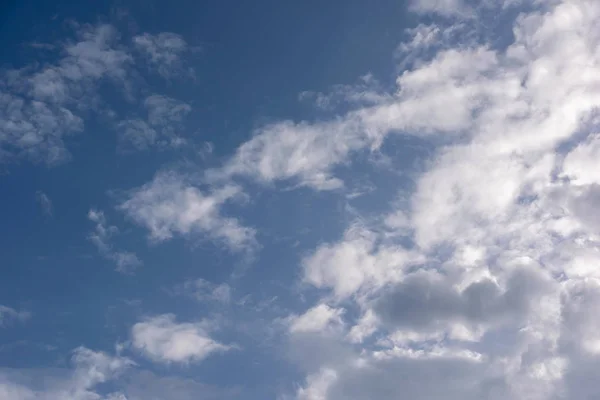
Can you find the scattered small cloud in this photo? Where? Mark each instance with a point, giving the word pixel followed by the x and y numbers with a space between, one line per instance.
pixel 44 202
pixel 170 205
pixel 205 291
pixel 40 107
pixel 162 128
pixel 9 315
pixel 126 262
pixel 163 339
pixel 164 51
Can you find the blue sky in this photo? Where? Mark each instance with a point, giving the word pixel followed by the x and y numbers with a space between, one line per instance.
pixel 310 201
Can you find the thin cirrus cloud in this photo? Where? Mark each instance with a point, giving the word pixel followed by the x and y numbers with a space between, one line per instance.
pixel 161 128
pixel 79 381
pixel 205 291
pixel 9 315
pixel 126 262
pixel 44 202
pixel 164 51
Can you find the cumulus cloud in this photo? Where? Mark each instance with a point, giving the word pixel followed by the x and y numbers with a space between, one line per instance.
pixel 426 302
pixel 357 263
pixel 126 262
pixel 485 281
pixel 579 164
pixel 162 339
pixel 170 205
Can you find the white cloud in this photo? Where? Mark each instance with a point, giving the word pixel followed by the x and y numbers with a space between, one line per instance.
pixel 440 97
pixel 305 152
pixel 90 375
pixel 171 205
pixel 164 50
pixel 89 369
pixel 126 262
pixel 40 107
pixel 495 299
pixel 357 263
pixel 162 339
pixel 442 7
pixel 319 319
pixel 367 91
pixel 580 164
pixel 8 314
pixel 317 385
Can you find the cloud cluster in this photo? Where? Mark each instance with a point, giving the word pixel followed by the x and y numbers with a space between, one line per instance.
pixel 489 285
pixel 42 104
pixel 39 107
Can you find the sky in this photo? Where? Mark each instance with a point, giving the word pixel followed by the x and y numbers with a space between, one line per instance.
pixel 333 200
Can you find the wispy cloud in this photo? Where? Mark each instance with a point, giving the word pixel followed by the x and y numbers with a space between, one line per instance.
pixel 88 370
pixel 170 205
pixel 8 315
pixel 44 202
pixel 205 291
pixel 162 127
pixel 126 262
pixel 40 107
pixel 164 51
